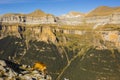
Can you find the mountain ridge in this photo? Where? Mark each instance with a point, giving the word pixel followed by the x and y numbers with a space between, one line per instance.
pixel 99 11
pixel 37 13
pixel 103 11
pixel 102 14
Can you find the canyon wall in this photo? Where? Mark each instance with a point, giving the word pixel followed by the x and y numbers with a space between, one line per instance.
pixel 109 19
pixel 111 36
pixel 41 33
pixel 48 34
pixel 27 19
pixel 72 18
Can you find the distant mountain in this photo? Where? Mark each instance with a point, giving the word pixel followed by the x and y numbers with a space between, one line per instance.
pixel 102 14
pixel 72 14
pixel 103 11
pixel 38 13
pixel 75 13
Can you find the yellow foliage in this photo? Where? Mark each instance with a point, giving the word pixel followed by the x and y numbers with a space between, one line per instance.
pixel 40 66
pixel 113 37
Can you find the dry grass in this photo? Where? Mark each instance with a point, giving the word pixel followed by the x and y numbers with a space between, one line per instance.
pixel 38 13
pixel 103 11
pixel 86 27
pixel 109 27
pixel 11 14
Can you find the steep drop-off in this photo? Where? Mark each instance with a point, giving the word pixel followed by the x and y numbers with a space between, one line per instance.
pixel 86 56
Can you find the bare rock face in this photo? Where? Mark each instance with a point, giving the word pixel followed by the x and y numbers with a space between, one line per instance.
pixel 108 19
pixel 9 30
pixel 36 17
pixel 100 15
pixel 112 36
pixel 47 35
pixel 41 33
pixel 104 14
pixel 72 18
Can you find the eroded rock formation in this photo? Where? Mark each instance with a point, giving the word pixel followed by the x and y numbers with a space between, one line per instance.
pixel 36 17
pixel 40 33
pixel 103 14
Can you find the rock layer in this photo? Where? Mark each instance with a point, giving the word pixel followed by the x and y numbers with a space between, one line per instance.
pixel 40 33
pixel 103 14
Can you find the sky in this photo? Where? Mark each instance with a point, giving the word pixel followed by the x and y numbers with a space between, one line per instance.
pixel 56 7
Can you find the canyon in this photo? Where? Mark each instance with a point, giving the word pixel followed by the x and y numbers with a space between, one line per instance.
pixel 73 46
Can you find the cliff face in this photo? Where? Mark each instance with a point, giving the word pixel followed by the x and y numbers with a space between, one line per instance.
pixel 72 18
pixel 111 36
pixel 103 15
pixel 69 31
pixel 106 36
pixel 47 33
pixel 41 33
pixel 9 30
pixel 36 17
pixel 108 19
pixel 77 52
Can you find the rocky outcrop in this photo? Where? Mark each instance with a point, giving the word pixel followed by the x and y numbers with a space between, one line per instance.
pixel 36 17
pixel 109 19
pixel 9 30
pixel 40 33
pixel 47 35
pixel 13 71
pixel 104 14
pixel 12 18
pixel 69 31
pixel 111 36
pixel 100 15
pixel 39 17
pixel 72 18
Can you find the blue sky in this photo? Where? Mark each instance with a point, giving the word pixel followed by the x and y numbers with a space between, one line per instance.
pixel 56 7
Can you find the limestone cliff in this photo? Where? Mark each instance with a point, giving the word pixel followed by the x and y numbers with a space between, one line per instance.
pixel 111 36
pixel 71 18
pixel 100 15
pixel 39 17
pixel 47 35
pixel 104 14
pixel 40 33
pixel 36 17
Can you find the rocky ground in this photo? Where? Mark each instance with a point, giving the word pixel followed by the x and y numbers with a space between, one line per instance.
pixel 12 71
